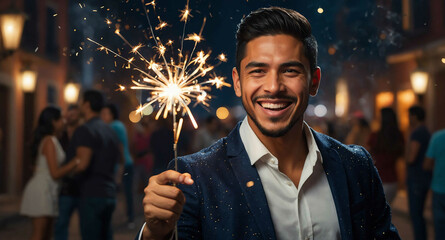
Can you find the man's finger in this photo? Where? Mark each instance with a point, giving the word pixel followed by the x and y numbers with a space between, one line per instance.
pixel 167 203
pixel 186 178
pixel 170 192
pixel 171 176
pixel 155 213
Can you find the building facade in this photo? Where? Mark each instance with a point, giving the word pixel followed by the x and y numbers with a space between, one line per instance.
pixel 423 26
pixel 42 51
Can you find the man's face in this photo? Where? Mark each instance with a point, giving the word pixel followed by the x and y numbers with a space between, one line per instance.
pixel 106 115
pixel 72 116
pixel 274 83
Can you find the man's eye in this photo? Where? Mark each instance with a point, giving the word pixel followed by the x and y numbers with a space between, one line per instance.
pixel 290 71
pixel 256 71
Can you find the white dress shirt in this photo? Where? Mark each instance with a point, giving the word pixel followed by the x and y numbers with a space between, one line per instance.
pixel 303 212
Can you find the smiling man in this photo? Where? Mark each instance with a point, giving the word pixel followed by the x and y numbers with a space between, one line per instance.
pixel 272 177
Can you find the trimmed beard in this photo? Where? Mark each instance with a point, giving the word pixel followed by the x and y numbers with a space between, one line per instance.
pixel 279 132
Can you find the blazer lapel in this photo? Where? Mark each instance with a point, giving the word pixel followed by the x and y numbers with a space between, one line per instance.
pixel 336 175
pixel 250 184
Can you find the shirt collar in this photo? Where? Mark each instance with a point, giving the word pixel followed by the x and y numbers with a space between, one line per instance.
pixel 256 150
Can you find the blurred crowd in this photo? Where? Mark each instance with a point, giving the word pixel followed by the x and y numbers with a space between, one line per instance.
pixel 413 160
pixel 84 154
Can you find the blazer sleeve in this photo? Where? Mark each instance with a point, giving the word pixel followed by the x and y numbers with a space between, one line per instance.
pixel 382 227
pixel 189 224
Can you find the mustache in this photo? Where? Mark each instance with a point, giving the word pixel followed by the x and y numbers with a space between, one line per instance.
pixel 273 97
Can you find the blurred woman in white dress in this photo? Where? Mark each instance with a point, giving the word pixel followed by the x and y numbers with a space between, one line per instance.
pixel 40 197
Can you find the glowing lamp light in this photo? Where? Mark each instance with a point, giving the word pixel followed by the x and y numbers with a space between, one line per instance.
pixel 11 25
pixel 320 110
pixel 222 113
pixel 320 10
pixel 71 93
pixel 419 81
pixel 341 98
pixel 29 80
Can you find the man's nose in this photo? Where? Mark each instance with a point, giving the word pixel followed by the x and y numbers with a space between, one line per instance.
pixel 273 83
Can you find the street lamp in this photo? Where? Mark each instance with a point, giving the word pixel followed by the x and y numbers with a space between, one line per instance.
pixel 71 92
pixel 11 26
pixel 341 98
pixel 419 83
pixel 29 80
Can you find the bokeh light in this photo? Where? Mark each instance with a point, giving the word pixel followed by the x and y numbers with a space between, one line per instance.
pixel 222 113
pixel 320 110
pixel 135 117
pixel 320 10
pixel 332 50
pixel 147 111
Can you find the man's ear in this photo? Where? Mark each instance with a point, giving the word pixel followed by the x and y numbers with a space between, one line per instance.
pixel 315 82
pixel 236 82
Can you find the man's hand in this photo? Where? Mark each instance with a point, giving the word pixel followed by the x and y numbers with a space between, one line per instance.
pixel 163 203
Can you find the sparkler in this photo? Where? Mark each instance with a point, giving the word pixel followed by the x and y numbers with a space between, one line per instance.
pixel 173 84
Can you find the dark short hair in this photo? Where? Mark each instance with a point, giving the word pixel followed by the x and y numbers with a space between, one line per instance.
pixel 418 112
pixel 114 110
pixel 273 21
pixel 95 98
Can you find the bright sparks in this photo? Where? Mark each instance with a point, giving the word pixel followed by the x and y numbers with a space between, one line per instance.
pixel 161 24
pixel 194 37
pixel 121 88
pixel 219 82
pixel 185 14
pixel 161 49
pixel 175 83
pixel 136 48
pixel 222 57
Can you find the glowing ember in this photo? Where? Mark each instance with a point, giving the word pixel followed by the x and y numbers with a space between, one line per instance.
pixel 121 88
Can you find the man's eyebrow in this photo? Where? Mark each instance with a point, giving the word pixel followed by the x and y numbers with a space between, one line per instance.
pixel 256 64
pixel 292 64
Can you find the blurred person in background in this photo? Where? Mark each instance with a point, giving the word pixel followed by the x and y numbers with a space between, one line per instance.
pixel 162 145
pixel 360 130
pixel 143 164
pixel 207 135
pixel 435 160
pixel 110 115
pixel 97 147
pixel 386 147
pixel 72 121
pixel 40 197
pixel 418 180
pixel 68 198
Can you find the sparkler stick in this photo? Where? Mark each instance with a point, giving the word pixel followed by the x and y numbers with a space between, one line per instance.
pixel 173 85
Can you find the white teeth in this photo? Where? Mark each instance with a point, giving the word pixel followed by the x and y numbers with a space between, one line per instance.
pixel 273 106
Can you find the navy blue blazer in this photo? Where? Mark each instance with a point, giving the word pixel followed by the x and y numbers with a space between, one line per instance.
pixel 222 205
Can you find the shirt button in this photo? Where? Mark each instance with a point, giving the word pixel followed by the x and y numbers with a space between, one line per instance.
pixel 289 184
pixel 271 161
